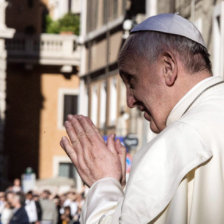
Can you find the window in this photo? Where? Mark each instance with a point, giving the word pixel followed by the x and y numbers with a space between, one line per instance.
pixel 123 6
pixel 92 14
pixel 115 9
pixel 68 104
pixel 67 170
pixel 105 11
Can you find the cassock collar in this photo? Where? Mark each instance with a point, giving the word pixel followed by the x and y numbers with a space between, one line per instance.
pixel 190 97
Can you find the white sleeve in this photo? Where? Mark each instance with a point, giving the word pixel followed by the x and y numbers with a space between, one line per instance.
pixel 101 202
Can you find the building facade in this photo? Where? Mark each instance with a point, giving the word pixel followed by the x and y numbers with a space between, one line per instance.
pixel 42 88
pixel 5 33
pixel 102 36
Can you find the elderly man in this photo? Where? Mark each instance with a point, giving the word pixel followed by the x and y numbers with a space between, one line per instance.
pixel 178 177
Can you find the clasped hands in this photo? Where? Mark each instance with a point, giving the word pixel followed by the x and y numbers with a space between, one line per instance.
pixel 93 158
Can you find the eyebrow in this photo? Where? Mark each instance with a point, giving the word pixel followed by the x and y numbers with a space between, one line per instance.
pixel 126 74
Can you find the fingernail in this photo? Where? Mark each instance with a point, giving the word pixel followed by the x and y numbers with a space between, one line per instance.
pixel 79 117
pixel 66 123
pixel 69 117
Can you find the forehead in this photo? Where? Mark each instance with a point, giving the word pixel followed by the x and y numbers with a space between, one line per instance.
pixel 129 67
pixel 132 65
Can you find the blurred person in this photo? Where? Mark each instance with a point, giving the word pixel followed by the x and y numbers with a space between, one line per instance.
pixel 19 213
pixel 76 218
pixel 71 201
pixel 80 199
pixel 63 198
pixel 66 218
pixel 16 185
pixel 31 208
pixel 38 207
pixel 48 207
pixel 2 203
pixel 57 202
pixel 7 211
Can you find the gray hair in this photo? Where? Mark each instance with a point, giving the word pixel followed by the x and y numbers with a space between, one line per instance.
pixel 151 44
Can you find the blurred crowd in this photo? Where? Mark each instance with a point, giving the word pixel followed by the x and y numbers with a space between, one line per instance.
pixel 17 207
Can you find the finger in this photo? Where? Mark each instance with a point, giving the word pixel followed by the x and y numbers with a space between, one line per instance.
pixel 80 133
pixel 121 150
pixel 65 144
pixel 69 117
pixel 95 129
pixel 111 143
pixel 90 131
pixel 76 160
pixel 71 133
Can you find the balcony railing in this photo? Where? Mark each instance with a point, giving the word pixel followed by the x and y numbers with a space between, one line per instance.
pixel 46 49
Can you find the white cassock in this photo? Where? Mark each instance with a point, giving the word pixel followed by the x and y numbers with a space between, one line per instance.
pixel 178 177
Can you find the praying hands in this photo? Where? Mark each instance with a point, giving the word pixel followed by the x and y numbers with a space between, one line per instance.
pixel 93 158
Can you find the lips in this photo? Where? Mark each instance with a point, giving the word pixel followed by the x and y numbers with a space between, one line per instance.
pixel 147 116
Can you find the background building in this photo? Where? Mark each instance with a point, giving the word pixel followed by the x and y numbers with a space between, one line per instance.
pixel 47 79
pixel 105 25
pixel 4 34
pixel 42 88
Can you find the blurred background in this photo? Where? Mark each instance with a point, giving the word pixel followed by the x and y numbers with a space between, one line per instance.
pixel 59 57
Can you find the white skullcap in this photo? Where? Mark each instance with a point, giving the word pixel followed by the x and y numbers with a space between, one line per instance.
pixel 171 24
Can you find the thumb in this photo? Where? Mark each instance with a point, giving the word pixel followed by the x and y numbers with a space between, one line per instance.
pixel 111 143
pixel 121 150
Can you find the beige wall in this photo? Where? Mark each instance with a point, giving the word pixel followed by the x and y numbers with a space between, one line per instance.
pixel 50 134
pixel 99 52
pixel 98 55
pixel 115 45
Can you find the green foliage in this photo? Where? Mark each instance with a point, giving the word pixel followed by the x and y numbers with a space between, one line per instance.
pixel 52 26
pixel 69 22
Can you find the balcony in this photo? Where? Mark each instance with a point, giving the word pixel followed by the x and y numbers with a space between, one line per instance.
pixel 44 49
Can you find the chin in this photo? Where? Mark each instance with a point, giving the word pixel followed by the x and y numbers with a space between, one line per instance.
pixel 154 128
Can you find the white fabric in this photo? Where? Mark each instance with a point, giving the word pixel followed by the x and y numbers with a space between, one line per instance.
pixel 2 205
pixel 178 177
pixel 6 215
pixel 31 210
pixel 72 204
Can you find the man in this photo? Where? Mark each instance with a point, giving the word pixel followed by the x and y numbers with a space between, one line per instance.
pixel 71 202
pixel 2 203
pixel 7 211
pixel 16 185
pixel 31 208
pixel 19 214
pixel 177 177
pixel 48 208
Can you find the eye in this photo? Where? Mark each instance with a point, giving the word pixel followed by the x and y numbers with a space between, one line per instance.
pixel 131 85
pixel 131 81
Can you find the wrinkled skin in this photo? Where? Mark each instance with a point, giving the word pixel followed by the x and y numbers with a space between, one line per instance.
pixel 92 157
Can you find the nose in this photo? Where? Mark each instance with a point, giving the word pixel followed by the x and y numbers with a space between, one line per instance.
pixel 131 101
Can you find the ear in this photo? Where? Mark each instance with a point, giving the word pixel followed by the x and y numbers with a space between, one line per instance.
pixel 169 68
